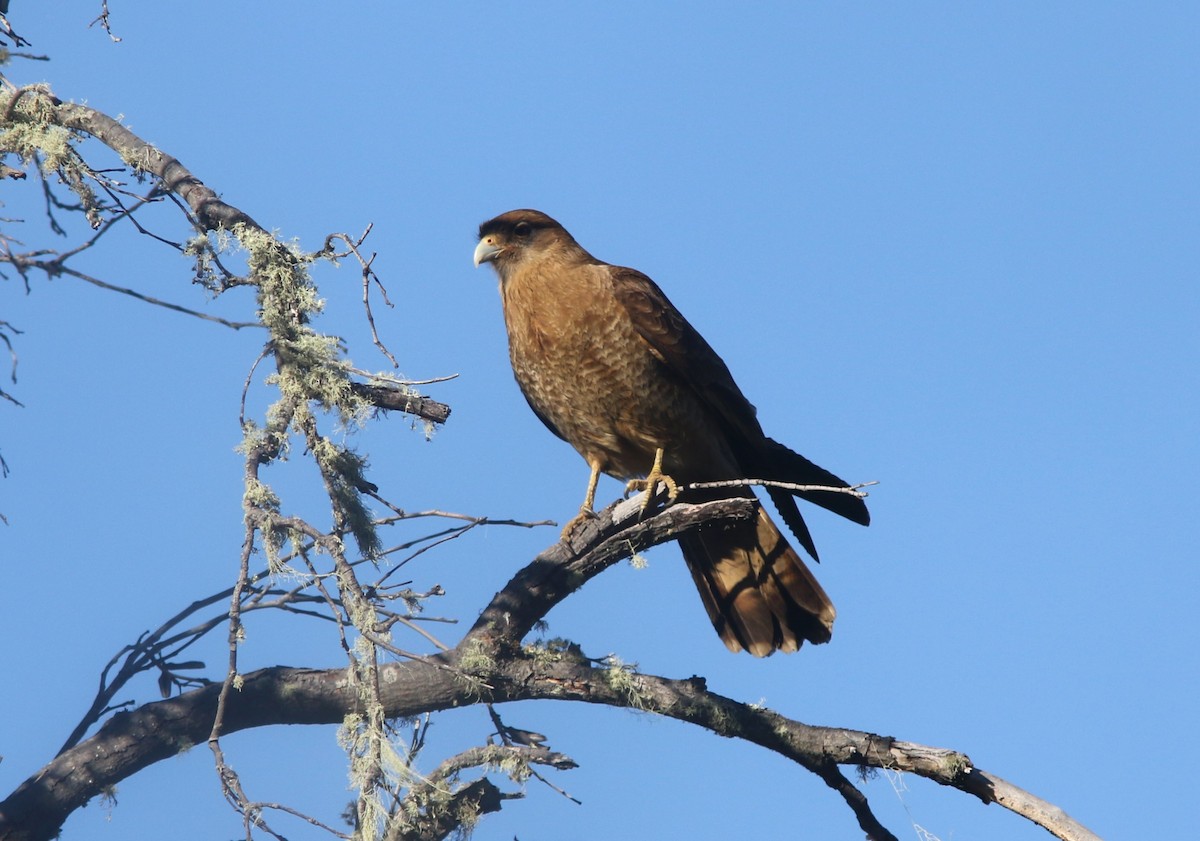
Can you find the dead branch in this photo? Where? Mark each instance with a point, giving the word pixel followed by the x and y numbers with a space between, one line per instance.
pixel 852 490
pixel 131 741
pixel 207 211
pixel 401 400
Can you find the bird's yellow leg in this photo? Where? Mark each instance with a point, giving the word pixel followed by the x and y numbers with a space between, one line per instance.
pixel 586 511
pixel 650 483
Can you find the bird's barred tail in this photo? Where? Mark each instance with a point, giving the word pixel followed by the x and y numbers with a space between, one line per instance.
pixel 759 594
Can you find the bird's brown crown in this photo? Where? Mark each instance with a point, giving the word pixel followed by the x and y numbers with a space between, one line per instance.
pixel 506 224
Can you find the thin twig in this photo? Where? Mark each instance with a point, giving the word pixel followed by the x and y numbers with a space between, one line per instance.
pixel 149 299
pixel 852 490
pixel 103 21
pixel 296 813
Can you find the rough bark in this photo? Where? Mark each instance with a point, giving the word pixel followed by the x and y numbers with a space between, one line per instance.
pixel 132 741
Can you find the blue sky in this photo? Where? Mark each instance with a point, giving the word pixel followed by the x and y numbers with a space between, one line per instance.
pixel 949 247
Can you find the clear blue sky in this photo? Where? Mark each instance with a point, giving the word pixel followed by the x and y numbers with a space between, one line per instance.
pixel 950 247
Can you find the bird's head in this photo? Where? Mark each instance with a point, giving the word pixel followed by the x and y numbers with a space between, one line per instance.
pixel 518 235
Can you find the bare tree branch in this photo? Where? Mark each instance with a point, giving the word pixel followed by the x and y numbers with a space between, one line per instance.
pixel 208 212
pixel 132 741
pixel 398 399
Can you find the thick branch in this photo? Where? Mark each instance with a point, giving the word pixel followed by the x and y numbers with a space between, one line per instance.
pixel 131 741
pixel 561 570
pixel 210 211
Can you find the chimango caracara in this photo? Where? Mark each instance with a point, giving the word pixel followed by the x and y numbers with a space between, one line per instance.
pixel 611 367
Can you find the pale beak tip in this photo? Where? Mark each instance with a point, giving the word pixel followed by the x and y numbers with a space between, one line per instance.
pixel 485 251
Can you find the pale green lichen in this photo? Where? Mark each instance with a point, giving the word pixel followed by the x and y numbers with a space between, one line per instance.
pixel 202 250
pixel 636 559
pixel 344 473
pixel 477 659
pixel 554 650
pixel 622 678
pixel 139 158
pixel 476 664
pixel 30 133
pixel 260 496
pixel 310 369
pixel 957 765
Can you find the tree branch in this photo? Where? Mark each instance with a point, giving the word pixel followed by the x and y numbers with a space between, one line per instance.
pixel 469 674
pixel 208 211
pixel 394 398
pixel 561 569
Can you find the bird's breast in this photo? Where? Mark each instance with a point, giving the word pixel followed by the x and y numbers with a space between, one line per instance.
pixel 587 372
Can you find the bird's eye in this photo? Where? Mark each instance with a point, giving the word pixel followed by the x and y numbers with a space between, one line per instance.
pixel 522 229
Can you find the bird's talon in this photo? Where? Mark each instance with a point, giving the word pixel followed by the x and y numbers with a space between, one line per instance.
pixel 650 484
pixel 585 514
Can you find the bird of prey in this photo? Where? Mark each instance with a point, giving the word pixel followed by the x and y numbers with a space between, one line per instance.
pixel 613 368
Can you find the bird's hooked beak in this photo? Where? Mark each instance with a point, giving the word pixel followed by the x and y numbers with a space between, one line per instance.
pixel 486 251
